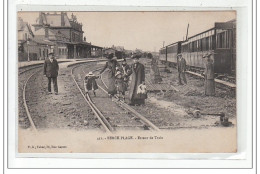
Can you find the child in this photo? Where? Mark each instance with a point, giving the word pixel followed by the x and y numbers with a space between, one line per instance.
pixel 90 83
pixel 126 70
pixel 120 85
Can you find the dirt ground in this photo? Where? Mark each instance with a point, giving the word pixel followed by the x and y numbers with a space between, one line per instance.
pixel 66 110
pixel 167 110
pixel 67 120
pixel 170 109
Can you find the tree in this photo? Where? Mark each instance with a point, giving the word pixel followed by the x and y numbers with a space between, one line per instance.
pixel 149 55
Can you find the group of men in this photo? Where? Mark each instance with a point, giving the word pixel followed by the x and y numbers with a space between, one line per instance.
pixel 208 73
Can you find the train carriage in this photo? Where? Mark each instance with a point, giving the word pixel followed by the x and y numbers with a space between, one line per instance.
pixel 221 39
pixel 196 46
pixel 172 51
pixel 162 54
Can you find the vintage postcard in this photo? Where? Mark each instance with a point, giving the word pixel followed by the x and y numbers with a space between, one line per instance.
pixel 126 82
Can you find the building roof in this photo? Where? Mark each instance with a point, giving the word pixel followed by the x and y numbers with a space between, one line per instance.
pixel 128 51
pixel 109 49
pixel 94 46
pixel 58 33
pixel 51 33
pixel 42 41
pixel 21 25
pixel 54 20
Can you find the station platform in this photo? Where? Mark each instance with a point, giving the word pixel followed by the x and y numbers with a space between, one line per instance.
pixel 221 82
pixel 39 62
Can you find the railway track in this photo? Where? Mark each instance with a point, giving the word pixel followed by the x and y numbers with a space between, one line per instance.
pixel 26 69
pixel 104 122
pixel 136 114
pixel 99 113
pixel 136 120
pixel 24 99
pixel 143 122
pixel 39 110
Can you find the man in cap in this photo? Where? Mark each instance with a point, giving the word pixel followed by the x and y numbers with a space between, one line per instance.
pixel 209 75
pixel 50 70
pixel 181 66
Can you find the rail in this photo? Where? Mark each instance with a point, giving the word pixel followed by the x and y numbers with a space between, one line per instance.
pixel 96 111
pixel 24 100
pixel 124 105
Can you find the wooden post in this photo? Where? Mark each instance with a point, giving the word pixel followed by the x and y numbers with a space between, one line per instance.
pixel 75 52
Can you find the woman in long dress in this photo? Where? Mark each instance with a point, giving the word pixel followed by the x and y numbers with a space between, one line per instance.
pixel 111 64
pixel 138 77
pixel 209 75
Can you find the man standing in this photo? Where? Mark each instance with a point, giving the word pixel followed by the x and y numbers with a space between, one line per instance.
pixel 181 66
pixel 50 70
pixel 209 75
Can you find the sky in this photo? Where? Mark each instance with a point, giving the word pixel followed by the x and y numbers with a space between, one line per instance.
pixel 142 30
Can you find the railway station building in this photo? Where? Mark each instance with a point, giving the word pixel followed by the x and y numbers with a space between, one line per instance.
pixel 57 33
pixel 28 46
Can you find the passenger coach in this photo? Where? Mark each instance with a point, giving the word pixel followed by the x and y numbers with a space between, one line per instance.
pixel 221 39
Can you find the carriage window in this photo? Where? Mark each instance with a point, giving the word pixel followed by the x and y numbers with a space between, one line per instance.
pixel 200 45
pixel 169 50
pixel 210 43
pixel 203 44
pixel 185 48
pixel 193 46
pixel 223 40
pixel 207 43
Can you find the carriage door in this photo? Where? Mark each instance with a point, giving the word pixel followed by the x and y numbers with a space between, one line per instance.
pixel 179 48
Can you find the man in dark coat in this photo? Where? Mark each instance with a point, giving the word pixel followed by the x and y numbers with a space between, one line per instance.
pixel 138 78
pixel 50 70
pixel 209 75
pixel 181 66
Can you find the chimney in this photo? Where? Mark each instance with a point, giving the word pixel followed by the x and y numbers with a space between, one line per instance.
pixel 62 19
pixel 46 32
pixel 40 18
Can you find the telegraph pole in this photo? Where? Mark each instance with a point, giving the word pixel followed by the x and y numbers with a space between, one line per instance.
pixel 187 32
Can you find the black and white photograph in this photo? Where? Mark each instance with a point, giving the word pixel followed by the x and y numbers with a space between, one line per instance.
pixel 127 82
